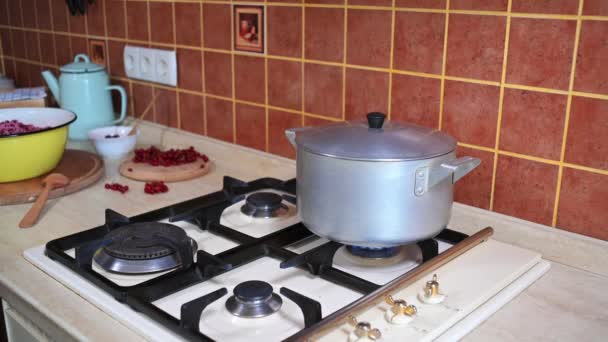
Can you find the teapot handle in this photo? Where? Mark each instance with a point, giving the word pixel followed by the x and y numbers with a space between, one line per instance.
pixel 123 102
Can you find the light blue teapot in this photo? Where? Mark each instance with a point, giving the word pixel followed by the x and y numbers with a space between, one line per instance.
pixel 84 88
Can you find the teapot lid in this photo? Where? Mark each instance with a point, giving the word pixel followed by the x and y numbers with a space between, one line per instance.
pixel 81 64
pixel 375 140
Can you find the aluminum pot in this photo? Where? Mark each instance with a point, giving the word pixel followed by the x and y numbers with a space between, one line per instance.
pixel 374 184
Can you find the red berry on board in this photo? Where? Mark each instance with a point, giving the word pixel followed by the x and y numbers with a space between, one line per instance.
pixel 117 187
pixel 155 187
pixel 155 157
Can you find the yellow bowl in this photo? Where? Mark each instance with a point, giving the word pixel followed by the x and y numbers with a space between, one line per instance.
pixel 29 155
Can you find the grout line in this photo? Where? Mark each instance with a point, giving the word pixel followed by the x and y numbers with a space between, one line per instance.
pixel 69 28
pixel 37 34
pixel 105 24
pixel 155 115
pixel 177 101
pixel 345 52
pixel 202 13
pixel 124 7
pixel 51 14
pixel 232 65
pixel 476 147
pixel 501 98
pixel 594 18
pixel 105 40
pixel 590 95
pixel 527 157
pixel 391 62
pixel 560 172
pixel 2 57
pixel 29 80
pixel 149 21
pixel 86 29
pixel 471 80
pixel 536 89
pixel 10 38
pixel 233 99
pixel 266 114
pixel 585 168
pixel 126 40
pixel 443 65
pixel 2 70
pixel 21 13
pixel 266 111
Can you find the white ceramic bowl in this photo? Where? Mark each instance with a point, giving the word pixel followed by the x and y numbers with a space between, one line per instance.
pixel 113 148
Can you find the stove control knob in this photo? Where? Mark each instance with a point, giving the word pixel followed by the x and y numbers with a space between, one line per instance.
pixel 363 331
pixel 430 294
pixel 400 312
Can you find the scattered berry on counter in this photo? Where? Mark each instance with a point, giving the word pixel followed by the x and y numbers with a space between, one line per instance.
pixel 10 127
pixel 130 169
pixel 117 187
pixel 155 188
pixel 172 157
pixel 111 136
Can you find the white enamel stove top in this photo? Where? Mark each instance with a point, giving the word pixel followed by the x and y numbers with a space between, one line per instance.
pixel 489 274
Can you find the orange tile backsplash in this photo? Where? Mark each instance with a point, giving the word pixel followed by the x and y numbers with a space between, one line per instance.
pixel 522 84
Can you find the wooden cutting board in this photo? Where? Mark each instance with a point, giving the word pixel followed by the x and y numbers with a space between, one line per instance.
pixel 149 173
pixel 81 167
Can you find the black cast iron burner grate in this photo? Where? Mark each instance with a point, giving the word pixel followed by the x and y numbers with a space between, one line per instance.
pixel 205 212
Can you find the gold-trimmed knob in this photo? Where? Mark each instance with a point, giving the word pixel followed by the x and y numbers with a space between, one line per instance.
pixel 432 287
pixel 363 330
pixel 400 306
pixel 430 294
pixel 374 334
pixel 400 312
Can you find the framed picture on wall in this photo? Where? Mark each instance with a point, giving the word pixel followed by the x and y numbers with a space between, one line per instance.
pixel 97 51
pixel 249 28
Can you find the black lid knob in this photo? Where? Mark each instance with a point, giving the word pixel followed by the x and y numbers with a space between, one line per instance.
pixel 253 290
pixel 375 119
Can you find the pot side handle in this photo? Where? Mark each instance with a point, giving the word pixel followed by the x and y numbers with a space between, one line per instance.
pixel 428 177
pixel 461 167
pixel 291 133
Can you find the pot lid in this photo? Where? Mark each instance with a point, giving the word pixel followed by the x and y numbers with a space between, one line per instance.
pixel 81 64
pixel 375 140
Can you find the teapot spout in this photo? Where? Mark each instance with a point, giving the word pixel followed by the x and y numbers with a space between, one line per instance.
pixel 51 82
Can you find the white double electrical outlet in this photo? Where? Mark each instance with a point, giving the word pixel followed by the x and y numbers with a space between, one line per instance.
pixel 152 65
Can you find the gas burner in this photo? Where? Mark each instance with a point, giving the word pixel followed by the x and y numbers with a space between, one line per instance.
pixel 264 205
pixel 381 260
pixel 373 253
pixel 253 299
pixel 145 247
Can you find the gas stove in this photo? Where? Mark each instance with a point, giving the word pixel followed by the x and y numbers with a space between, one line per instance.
pixel 238 264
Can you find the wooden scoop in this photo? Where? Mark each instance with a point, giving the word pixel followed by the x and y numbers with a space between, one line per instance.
pixel 142 116
pixel 50 182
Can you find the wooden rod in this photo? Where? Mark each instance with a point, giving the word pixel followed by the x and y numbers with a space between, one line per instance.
pixel 142 116
pixel 337 318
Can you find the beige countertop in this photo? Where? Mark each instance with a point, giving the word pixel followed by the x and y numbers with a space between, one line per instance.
pixel 567 303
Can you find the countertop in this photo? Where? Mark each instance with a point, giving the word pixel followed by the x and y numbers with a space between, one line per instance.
pixel 567 303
